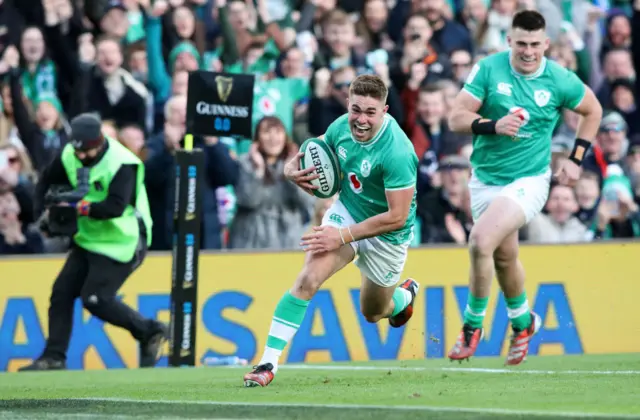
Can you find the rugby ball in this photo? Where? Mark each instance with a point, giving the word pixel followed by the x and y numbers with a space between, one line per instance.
pixel 318 153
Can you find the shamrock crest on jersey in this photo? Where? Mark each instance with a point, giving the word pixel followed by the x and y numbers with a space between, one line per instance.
pixel 541 97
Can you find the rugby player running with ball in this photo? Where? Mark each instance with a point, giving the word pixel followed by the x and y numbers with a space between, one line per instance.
pixel 511 103
pixel 373 220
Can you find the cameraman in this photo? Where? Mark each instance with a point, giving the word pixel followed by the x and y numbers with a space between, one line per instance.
pixel 111 229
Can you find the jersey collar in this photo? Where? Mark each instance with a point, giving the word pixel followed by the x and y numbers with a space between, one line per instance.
pixel 538 73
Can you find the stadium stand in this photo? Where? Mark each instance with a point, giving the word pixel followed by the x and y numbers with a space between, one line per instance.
pixel 128 61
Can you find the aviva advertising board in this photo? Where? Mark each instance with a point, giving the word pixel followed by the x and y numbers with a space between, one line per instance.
pixel 586 295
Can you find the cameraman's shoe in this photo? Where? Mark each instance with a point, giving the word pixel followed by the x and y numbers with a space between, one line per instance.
pixel 44 363
pixel 151 347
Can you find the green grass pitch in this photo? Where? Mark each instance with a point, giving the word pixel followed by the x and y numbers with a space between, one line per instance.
pixel 606 387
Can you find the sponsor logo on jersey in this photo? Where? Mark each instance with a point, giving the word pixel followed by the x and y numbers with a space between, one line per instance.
pixel 355 183
pixel 336 218
pixel 342 152
pixel 504 88
pixel 267 106
pixel 541 97
pixel 365 168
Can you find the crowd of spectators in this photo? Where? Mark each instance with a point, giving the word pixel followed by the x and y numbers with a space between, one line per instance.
pixel 128 61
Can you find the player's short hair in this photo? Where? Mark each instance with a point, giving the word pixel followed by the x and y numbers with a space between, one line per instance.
pixel 369 85
pixel 529 20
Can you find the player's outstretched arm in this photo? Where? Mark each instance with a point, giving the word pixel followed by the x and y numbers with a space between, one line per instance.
pixel 464 118
pixel 464 112
pixel 590 112
pixel 399 202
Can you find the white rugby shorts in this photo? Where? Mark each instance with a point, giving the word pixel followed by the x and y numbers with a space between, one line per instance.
pixel 530 193
pixel 378 260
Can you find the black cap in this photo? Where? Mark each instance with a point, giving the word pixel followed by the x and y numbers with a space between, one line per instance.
pixel 114 4
pixel 86 132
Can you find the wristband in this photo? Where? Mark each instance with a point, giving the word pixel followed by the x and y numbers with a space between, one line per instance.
pixel 483 126
pixel 580 149
pixel 83 208
pixel 341 237
pixel 353 239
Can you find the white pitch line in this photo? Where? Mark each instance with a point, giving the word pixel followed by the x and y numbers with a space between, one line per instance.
pixel 41 415
pixel 503 411
pixel 13 415
pixel 461 369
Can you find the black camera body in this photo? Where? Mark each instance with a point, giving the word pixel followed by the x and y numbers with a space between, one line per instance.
pixel 60 200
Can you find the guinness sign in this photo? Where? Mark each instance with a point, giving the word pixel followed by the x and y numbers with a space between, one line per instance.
pixel 219 104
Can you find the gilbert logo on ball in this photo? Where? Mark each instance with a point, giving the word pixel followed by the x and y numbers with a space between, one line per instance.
pixel 318 154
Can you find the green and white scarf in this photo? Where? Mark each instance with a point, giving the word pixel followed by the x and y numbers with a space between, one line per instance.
pixel 43 81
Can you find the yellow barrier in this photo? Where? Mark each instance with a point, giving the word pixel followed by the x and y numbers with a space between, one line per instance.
pixel 586 294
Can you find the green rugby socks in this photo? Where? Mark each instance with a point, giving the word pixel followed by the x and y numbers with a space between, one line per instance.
pixel 286 320
pixel 475 311
pixel 401 299
pixel 518 311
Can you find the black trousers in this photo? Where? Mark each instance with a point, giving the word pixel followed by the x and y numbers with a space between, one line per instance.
pixel 95 279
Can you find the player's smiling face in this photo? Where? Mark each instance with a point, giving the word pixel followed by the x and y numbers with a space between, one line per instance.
pixel 528 48
pixel 365 116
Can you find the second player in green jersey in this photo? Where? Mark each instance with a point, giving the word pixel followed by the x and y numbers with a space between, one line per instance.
pixel 511 103
pixel 536 98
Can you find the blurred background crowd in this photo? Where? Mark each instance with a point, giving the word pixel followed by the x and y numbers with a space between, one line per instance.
pixel 128 60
